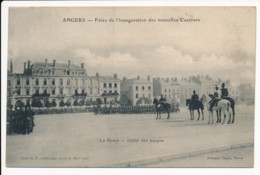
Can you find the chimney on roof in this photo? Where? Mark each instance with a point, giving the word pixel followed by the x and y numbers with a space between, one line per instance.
pixel 46 62
pixel 11 66
pixel 69 63
pixel 82 65
pixel 115 76
pixel 97 75
pixel 138 77
pixel 54 63
pixel 24 66
pixel 124 79
pixel 148 77
pixel 29 64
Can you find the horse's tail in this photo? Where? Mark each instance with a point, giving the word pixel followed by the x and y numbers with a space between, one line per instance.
pixel 228 106
pixel 202 105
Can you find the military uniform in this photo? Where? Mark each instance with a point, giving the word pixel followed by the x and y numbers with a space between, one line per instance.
pixel 216 98
pixel 10 121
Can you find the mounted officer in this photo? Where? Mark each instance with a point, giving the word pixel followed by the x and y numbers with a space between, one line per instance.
pixel 194 98
pixel 216 97
pixel 162 99
pixel 224 91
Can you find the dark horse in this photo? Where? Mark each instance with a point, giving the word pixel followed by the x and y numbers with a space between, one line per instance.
pixel 160 107
pixel 197 105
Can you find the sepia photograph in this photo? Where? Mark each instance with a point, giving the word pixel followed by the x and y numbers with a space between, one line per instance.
pixel 130 87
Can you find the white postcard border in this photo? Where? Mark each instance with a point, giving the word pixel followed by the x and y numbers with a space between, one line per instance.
pixel 126 171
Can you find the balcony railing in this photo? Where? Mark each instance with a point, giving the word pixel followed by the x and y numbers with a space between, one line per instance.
pixel 41 95
pixel 110 94
pixel 80 95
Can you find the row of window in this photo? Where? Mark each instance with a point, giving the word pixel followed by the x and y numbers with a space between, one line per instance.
pixel 53 82
pixel 143 95
pixel 53 91
pixel 105 85
pixel 143 88
pixel 110 91
pixel 52 72
pixel 181 90
pixel 178 96
pixel 45 82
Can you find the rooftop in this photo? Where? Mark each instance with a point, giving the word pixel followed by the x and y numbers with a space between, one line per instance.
pixel 138 80
pixel 41 65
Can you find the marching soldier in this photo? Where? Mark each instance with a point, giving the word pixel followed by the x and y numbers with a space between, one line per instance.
pixel 10 120
pixel 30 119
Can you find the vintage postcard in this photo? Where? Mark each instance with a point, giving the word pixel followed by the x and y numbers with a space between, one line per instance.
pixel 149 87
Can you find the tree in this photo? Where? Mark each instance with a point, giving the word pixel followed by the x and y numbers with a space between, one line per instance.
pixel 68 103
pixel 53 103
pixel 88 103
pixel 47 103
pixel 81 103
pixel 36 103
pixel 75 103
pixel 62 103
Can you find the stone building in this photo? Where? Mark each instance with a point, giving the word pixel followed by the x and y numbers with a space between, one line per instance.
pixel 42 84
pixel 180 90
pixel 136 91
pixel 174 90
pixel 105 88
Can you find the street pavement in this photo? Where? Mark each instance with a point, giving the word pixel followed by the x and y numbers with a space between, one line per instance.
pixel 129 140
pixel 241 157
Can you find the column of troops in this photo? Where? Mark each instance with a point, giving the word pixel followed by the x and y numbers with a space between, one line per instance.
pixel 20 120
pixel 131 109
pixel 62 110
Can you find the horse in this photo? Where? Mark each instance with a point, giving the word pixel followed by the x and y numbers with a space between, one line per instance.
pixel 232 105
pixel 222 105
pixel 197 105
pixel 161 107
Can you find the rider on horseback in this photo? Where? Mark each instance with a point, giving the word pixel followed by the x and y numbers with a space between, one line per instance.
pixel 216 97
pixel 162 100
pixel 194 98
pixel 224 91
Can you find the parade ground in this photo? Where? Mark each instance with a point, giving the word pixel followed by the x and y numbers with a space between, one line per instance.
pixel 134 140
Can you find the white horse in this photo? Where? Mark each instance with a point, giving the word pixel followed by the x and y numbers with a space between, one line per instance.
pixel 222 106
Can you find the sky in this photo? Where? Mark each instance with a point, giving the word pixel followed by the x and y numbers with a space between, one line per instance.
pixel 221 44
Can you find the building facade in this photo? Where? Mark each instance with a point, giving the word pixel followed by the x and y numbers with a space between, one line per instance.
pixel 180 90
pixel 43 84
pixel 105 88
pixel 50 84
pixel 136 91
